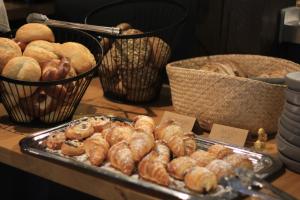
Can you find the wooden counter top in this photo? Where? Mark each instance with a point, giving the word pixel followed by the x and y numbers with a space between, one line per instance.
pixel 93 102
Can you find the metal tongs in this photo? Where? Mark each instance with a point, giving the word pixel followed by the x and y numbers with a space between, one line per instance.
pixel 40 18
pixel 246 182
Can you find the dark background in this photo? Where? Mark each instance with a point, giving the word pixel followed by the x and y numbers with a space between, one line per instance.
pixel 212 27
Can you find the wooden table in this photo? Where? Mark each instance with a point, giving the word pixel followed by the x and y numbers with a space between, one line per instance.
pixel 93 102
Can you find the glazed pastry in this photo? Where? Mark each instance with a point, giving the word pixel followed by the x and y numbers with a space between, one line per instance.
pixel 79 131
pixel 121 158
pixel 178 167
pixel 238 160
pixel 118 133
pixel 55 140
pixel 8 50
pixel 219 151
pixel 81 59
pixel 150 168
pixel 200 179
pixel 72 148
pixel 34 31
pixel 172 134
pixel 99 123
pixel 202 158
pixel 140 144
pixel 42 51
pixel 96 147
pixel 144 123
pixel 220 168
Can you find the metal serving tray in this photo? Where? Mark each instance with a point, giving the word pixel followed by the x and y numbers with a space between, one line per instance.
pixel 264 167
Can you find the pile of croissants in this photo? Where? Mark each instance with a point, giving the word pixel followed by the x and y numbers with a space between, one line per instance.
pixel 158 154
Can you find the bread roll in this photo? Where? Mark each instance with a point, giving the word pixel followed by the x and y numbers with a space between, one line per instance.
pixel 81 59
pixel 34 31
pixel 42 51
pixel 25 69
pixel 8 50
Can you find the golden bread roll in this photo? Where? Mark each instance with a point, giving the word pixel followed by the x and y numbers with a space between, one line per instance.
pixel 25 69
pixel 8 50
pixel 42 51
pixel 200 179
pixel 34 31
pixel 81 59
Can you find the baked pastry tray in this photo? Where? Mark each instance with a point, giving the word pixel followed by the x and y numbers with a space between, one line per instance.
pixel 264 166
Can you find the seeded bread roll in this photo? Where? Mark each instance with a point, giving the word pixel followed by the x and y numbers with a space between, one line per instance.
pixel 8 50
pixel 34 31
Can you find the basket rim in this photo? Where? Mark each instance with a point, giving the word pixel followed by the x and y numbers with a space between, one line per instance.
pixel 145 34
pixel 61 81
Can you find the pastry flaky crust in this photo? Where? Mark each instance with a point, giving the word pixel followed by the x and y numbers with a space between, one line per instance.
pixel 179 142
pixel 220 168
pixel 96 147
pixel 99 123
pixel 219 151
pixel 178 167
pixel 163 152
pixel 121 158
pixel 202 158
pixel 238 160
pixel 72 148
pixel 140 144
pixel 55 140
pixel 200 180
pixel 118 132
pixel 145 123
pixel 79 131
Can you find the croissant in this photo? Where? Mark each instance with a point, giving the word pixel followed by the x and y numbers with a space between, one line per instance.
pixel 178 167
pixel 96 147
pixel 220 151
pixel 150 168
pixel 200 179
pixel 145 123
pixel 121 158
pixel 118 133
pixel 220 168
pixel 163 152
pixel 202 158
pixel 140 144
pixel 238 160
pixel 172 134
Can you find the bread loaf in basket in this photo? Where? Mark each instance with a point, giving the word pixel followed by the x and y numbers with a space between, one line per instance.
pixel 214 97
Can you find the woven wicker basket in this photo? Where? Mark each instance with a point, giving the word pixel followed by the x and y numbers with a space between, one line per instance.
pixel 229 100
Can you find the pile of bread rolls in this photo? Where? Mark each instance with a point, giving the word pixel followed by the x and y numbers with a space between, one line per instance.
pixel 132 66
pixel 34 55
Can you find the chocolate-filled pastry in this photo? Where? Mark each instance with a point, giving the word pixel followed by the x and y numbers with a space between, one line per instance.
pixel 25 69
pixel 80 57
pixel 150 168
pixel 140 144
pixel 121 158
pixel 219 151
pixel 79 131
pixel 72 148
pixel 8 50
pixel 99 123
pixel 238 160
pixel 96 147
pixel 55 140
pixel 38 104
pixel 34 31
pixel 161 52
pixel 178 167
pixel 118 133
pixel 42 51
pixel 144 123
pixel 135 52
pixel 220 168
pixel 203 158
pixel 200 179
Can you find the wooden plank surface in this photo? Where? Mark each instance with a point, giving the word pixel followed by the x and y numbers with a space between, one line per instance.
pixel 94 103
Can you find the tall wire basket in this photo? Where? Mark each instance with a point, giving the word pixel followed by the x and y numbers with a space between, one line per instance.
pixel 134 62
pixel 49 102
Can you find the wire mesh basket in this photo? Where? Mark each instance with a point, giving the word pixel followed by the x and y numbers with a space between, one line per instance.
pixel 49 102
pixel 134 63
